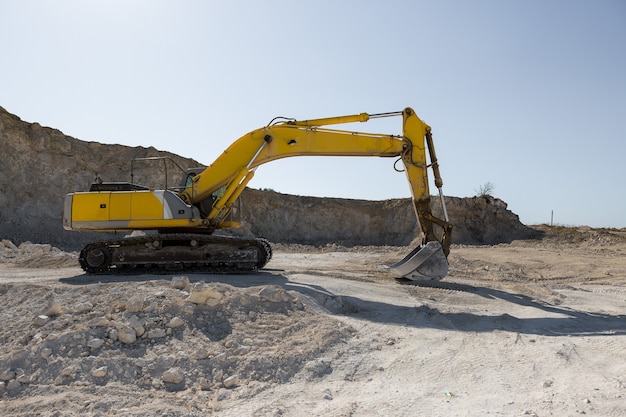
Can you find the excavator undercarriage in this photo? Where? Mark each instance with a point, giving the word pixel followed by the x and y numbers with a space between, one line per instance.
pixel 167 253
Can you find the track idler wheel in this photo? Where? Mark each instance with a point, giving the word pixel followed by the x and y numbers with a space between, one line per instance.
pixel 95 259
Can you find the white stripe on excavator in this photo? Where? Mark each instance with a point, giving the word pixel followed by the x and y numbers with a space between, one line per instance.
pixel 167 211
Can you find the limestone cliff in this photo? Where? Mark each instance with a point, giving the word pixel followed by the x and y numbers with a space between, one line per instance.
pixel 295 219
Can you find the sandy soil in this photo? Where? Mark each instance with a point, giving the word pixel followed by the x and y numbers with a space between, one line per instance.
pixel 530 328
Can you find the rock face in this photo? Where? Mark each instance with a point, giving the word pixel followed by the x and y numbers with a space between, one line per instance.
pixel 295 219
pixel 40 165
pixel 310 220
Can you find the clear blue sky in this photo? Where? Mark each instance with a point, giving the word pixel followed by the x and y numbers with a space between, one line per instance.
pixel 527 95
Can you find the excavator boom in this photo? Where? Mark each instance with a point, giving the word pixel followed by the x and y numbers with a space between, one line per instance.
pixel 205 202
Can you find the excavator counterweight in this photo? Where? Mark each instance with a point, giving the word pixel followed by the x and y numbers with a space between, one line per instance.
pixel 184 218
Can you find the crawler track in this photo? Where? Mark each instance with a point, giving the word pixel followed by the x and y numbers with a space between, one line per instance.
pixel 181 252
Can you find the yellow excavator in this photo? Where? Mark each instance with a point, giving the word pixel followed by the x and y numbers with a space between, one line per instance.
pixel 182 220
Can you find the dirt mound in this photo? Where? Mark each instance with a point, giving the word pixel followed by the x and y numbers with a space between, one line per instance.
pixel 41 165
pixel 34 255
pixel 561 235
pixel 165 336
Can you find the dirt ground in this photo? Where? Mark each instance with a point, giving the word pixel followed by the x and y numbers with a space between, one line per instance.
pixel 535 327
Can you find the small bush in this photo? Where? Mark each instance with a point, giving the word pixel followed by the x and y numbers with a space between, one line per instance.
pixel 485 190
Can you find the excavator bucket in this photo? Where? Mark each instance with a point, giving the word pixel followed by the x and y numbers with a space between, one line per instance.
pixel 424 263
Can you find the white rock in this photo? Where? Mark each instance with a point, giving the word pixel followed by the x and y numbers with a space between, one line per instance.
pixel 69 372
pixel 126 334
pixel 112 335
pixel 204 384
pixel 99 322
pixel 95 343
pixel 83 307
pixel 179 283
pixel 14 384
pixel 140 362
pixel 166 361
pixel 231 381
pixel 137 324
pixel 7 375
pixel 100 372
pixel 45 353
pixel 274 294
pixel 41 320
pixel 54 309
pixel 23 379
pixel 175 322
pixel 134 305
pixel 156 333
pixel 173 376
pixel 8 244
pixel 208 295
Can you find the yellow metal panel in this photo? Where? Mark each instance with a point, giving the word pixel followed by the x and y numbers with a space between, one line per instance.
pixel 162 224
pixel 146 205
pixel 90 207
pixel 120 206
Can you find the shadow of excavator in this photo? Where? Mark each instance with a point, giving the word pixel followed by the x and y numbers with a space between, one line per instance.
pixel 557 321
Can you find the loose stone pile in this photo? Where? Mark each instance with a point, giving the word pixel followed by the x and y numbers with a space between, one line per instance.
pixel 35 255
pixel 172 336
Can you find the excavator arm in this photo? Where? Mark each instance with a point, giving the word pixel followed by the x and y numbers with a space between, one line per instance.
pixel 232 171
pixel 206 201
